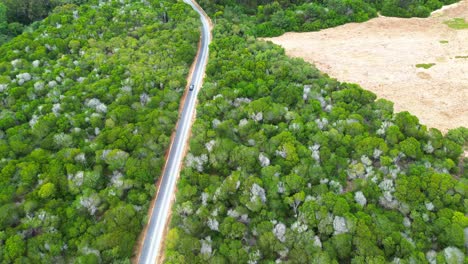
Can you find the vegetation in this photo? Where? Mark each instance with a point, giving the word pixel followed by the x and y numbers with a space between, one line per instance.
pixel 16 14
pixel 285 164
pixel 425 65
pixel 461 57
pixel 89 101
pixel 273 18
pixel 443 41
pixel 288 165
pixel 457 23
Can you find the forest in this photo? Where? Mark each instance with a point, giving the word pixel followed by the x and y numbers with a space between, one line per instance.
pixel 269 18
pixel 287 165
pixel 89 101
pixel 16 16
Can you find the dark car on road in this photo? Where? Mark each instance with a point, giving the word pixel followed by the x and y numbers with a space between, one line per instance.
pixel 192 86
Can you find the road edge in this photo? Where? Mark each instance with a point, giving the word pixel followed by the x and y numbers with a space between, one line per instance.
pixel 187 145
pixel 141 238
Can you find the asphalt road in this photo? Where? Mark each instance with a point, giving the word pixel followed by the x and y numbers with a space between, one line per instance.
pixel 154 239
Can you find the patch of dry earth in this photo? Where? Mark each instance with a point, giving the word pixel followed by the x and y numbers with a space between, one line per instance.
pixel 381 55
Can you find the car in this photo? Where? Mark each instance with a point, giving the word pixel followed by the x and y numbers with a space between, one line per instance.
pixel 192 86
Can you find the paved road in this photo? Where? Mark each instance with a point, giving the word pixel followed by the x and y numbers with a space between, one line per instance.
pixel 159 216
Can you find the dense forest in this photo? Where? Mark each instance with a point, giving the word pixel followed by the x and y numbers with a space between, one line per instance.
pixel 273 18
pixel 287 165
pixel 17 15
pixel 89 100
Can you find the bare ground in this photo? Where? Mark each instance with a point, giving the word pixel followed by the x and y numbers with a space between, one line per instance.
pixel 381 55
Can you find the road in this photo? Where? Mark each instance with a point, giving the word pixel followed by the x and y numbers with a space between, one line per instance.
pixel 154 239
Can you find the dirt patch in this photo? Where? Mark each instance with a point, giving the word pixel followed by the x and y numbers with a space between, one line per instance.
pixel 381 55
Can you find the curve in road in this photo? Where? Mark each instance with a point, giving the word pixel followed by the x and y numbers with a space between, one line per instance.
pixel 159 215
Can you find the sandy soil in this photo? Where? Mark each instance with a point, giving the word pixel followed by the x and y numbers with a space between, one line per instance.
pixel 381 55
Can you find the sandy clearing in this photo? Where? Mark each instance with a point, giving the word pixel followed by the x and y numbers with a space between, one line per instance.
pixel 381 55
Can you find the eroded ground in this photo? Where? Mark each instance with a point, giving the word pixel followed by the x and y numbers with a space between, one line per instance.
pixel 381 55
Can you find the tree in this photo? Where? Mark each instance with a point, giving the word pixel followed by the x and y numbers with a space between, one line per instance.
pixel 9 215
pixel 269 245
pixel 15 247
pixel 98 174
pixel 393 135
pixel 342 244
pixel 26 11
pixel 244 157
pixel 116 158
pixel 294 183
pixel 340 207
pixel 234 251
pixel 47 190
pixel 88 258
pixel 408 124
pixel 368 145
pixel 364 241
pixel 295 200
pixel 452 235
pixel 3 19
pixel 411 147
pixel 232 229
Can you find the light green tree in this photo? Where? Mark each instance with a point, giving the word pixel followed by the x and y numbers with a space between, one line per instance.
pixel 15 247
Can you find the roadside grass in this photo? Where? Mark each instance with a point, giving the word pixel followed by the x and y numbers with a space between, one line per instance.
pixel 425 65
pixel 457 23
